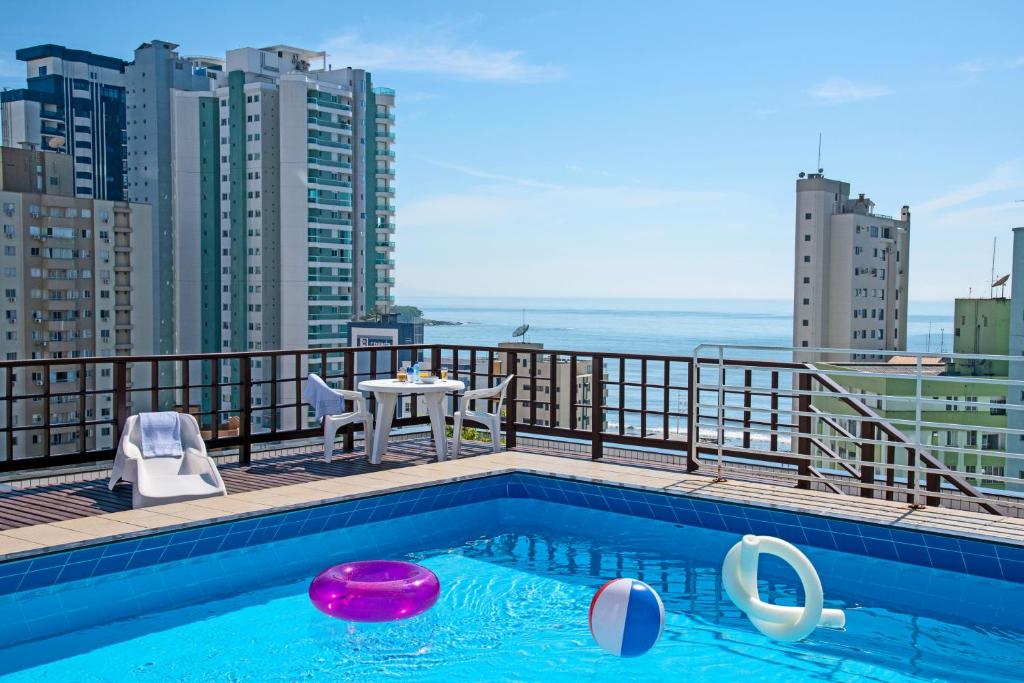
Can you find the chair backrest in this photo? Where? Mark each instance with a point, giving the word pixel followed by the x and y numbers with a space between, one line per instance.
pixel 504 389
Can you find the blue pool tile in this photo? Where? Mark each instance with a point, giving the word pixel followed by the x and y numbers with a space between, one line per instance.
pixel 292 530
pixel 74 571
pixel 205 546
pixel 39 578
pixel 977 547
pixel 265 535
pixel 1013 571
pixel 848 543
pixel 111 564
pixel 10 583
pixel 17 567
pixel 233 541
pixel 873 531
pixel 151 542
pixel 820 538
pixel 839 526
pixel 952 560
pixel 1006 552
pixel 906 537
pixel 145 558
pixel 814 522
pixel 48 561
pixel 983 565
pixel 914 554
pixel 177 551
pixel 943 542
pixel 885 550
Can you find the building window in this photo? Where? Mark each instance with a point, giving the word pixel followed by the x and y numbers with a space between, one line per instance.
pixel 807 280
pixel 807 238
pixel 807 216
pixel 807 259
pixel 804 323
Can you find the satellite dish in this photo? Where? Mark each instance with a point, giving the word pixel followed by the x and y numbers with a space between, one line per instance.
pixel 520 331
pixel 1001 281
pixel 56 142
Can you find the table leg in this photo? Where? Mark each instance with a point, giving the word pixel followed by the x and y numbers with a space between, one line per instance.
pixel 435 409
pixel 386 402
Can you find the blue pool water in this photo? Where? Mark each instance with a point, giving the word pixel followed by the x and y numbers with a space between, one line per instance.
pixel 517 576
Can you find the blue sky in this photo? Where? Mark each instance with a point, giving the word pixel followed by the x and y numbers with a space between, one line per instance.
pixel 646 149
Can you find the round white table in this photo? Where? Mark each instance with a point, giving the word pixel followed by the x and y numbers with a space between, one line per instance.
pixel 387 391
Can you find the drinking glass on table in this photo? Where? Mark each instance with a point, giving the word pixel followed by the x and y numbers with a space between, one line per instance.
pixel 444 374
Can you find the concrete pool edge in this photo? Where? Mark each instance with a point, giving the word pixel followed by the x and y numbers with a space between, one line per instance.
pixel 43 539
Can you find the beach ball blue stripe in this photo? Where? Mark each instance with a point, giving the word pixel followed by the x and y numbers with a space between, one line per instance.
pixel 644 620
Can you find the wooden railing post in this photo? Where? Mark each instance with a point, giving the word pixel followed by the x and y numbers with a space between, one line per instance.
pixel 120 397
pixel 692 418
pixel 803 428
pixel 511 400
pixel 867 457
pixel 245 410
pixel 349 372
pixel 597 409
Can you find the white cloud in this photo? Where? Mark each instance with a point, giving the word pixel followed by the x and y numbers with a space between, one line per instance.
pixel 520 236
pixel 977 66
pixel 468 61
pixel 843 91
pixel 1005 177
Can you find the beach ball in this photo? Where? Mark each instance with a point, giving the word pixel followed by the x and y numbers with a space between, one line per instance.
pixel 626 617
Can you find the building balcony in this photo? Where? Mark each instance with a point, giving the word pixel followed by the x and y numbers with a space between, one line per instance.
pixel 385 153
pixel 386 208
pixel 328 143
pixel 328 163
pixel 330 182
pixel 329 202
pixel 333 125
pixel 382 171
pixel 325 220
pixel 387 228
pixel 382 136
pixel 327 104
pixel 385 117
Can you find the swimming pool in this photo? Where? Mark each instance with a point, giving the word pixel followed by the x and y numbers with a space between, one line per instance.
pixel 228 602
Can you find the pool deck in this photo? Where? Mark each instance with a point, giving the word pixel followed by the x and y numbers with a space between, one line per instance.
pixel 415 472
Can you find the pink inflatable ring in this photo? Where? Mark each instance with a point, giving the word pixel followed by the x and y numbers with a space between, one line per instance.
pixel 377 590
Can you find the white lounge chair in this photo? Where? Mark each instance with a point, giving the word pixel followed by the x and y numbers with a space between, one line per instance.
pixel 490 420
pixel 172 478
pixel 329 403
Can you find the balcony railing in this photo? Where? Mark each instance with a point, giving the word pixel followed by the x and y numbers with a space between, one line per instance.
pixel 800 424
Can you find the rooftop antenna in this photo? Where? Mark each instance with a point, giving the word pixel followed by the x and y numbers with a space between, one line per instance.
pixel 522 329
pixel 928 344
pixel 1001 283
pixel 942 340
pixel 992 275
pixel 819 153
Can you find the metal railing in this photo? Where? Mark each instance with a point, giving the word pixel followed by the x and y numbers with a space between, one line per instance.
pixel 795 423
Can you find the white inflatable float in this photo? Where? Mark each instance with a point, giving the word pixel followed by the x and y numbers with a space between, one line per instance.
pixel 739 574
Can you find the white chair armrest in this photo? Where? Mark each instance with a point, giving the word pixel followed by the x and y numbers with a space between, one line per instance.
pixel 355 396
pixel 196 462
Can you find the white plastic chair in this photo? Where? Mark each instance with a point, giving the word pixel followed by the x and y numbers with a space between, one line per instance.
pixel 490 420
pixel 334 422
pixel 161 479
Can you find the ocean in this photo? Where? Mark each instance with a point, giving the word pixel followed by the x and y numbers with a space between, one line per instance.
pixel 658 326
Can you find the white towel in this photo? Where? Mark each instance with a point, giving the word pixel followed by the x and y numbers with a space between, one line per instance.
pixel 161 435
pixel 325 401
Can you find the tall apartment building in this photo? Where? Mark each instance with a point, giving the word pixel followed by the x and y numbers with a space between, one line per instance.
pixel 851 270
pixel 150 79
pixel 74 285
pixel 282 203
pixel 74 103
